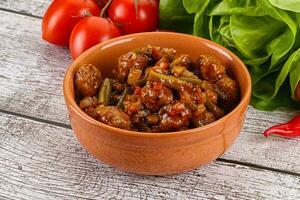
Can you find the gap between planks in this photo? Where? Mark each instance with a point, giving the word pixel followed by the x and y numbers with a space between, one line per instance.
pixel 20 13
pixel 67 126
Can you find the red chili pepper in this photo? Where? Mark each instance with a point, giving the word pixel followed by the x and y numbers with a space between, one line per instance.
pixel 290 129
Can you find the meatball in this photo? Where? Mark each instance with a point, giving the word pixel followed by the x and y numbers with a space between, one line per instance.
pixel 152 119
pixel 132 104
pixel 88 80
pixel 201 117
pixel 192 95
pixel 211 95
pixel 113 116
pixel 174 117
pixel 89 104
pixel 228 92
pixel 155 94
pixel 209 68
pixel 128 61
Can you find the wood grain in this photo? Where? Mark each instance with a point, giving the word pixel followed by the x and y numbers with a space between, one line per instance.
pixel 31 70
pixel 41 161
pixel 31 75
pixel 32 7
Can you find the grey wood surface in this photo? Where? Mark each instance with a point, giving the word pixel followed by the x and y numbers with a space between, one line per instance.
pixel 32 71
pixel 32 7
pixel 40 158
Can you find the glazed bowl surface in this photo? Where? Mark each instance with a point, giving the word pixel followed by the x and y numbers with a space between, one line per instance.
pixel 157 153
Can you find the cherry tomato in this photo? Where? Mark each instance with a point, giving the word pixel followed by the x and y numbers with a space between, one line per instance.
pixel 61 17
pixel 298 92
pixel 102 3
pixel 89 32
pixel 134 16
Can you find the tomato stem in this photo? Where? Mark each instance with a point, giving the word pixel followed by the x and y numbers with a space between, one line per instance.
pixel 105 8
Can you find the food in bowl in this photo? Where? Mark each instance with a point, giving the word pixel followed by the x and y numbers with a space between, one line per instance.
pixel 155 89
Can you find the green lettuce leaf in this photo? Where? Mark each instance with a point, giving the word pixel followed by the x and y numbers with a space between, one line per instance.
pixel 265 34
pixel 291 5
pixel 173 16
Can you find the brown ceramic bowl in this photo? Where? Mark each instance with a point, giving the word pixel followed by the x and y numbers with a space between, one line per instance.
pixel 157 153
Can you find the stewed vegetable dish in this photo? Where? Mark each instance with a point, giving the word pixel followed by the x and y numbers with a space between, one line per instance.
pixel 155 89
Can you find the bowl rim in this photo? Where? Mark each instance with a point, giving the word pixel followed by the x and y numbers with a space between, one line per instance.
pixel 70 102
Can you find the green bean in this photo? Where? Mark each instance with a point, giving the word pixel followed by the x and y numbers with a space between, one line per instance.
pixel 218 112
pixel 173 81
pixel 105 92
pixel 126 91
pixel 184 72
pixel 220 94
pixel 195 81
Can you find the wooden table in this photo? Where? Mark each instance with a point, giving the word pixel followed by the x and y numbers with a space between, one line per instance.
pixel 41 159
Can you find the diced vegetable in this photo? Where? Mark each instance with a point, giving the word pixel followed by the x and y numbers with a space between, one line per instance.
pixel 134 76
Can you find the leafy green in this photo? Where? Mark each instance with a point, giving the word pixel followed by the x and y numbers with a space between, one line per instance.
pixel 265 34
pixel 292 5
pixel 173 16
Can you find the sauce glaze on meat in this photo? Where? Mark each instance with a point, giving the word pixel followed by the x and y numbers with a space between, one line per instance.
pixel 156 90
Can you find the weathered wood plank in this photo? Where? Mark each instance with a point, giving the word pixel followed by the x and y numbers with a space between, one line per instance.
pixel 41 161
pixel 275 152
pixel 31 71
pixel 31 75
pixel 33 7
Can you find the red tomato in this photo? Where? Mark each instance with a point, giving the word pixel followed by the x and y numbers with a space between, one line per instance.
pixel 132 20
pixel 89 32
pixel 102 3
pixel 61 17
pixel 298 92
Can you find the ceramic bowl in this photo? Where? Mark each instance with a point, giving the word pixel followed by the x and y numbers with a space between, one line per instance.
pixel 157 153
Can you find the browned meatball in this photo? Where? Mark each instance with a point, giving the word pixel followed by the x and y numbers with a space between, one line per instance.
pixel 212 96
pixel 153 119
pixel 192 95
pixel 132 104
pixel 174 117
pixel 228 92
pixel 113 116
pixel 88 80
pixel 209 68
pixel 89 104
pixel 201 117
pixel 91 111
pixel 130 60
pixel 155 94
